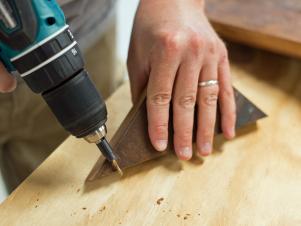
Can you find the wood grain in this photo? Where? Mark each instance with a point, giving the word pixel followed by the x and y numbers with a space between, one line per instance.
pixel 273 24
pixel 252 180
pixel 132 146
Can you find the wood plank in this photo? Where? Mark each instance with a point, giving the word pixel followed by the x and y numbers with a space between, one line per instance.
pixel 252 180
pixel 132 146
pixel 272 25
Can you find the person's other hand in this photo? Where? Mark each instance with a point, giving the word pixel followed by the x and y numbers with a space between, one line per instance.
pixel 7 82
pixel 173 48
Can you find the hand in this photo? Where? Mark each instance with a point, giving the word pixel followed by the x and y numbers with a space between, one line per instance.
pixel 7 82
pixel 173 48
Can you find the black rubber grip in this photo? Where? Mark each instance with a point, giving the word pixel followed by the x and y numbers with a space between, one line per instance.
pixel 44 52
pixel 57 71
pixel 77 105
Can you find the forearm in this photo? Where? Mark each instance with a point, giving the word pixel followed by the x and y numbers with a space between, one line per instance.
pixel 163 4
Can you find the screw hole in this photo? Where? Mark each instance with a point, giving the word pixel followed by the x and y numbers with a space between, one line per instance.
pixel 50 21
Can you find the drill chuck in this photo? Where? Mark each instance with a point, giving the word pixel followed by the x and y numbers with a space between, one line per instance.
pixel 98 137
pixel 77 105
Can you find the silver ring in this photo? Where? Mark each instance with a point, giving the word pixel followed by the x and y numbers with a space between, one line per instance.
pixel 208 83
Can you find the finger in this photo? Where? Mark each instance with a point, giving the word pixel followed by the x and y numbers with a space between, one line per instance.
pixel 226 99
pixel 184 99
pixel 138 81
pixel 7 81
pixel 207 106
pixel 159 91
pixel 138 74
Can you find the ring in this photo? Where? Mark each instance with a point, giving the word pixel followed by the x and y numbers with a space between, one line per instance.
pixel 208 83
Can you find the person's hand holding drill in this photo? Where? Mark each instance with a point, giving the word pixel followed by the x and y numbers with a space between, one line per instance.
pixel 176 52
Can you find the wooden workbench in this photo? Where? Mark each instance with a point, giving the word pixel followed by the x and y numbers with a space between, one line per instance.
pixel 252 180
pixel 266 24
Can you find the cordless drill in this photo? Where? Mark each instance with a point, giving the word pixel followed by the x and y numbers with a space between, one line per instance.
pixel 36 42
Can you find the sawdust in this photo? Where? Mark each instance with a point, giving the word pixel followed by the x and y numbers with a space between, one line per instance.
pixel 159 201
pixel 102 209
pixel 186 216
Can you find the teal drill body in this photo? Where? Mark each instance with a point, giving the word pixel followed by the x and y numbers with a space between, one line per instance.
pixel 44 12
pixel 36 42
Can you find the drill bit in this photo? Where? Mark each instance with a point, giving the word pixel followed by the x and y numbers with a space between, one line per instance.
pixel 107 151
pixel 116 166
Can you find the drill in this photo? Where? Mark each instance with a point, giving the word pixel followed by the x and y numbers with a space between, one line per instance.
pixel 36 42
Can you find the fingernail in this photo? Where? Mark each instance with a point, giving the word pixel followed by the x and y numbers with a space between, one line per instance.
pixel 9 88
pixel 186 153
pixel 206 148
pixel 161 145
pixel 231 132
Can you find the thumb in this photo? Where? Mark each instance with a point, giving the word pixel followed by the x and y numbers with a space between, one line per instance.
pixel 7 82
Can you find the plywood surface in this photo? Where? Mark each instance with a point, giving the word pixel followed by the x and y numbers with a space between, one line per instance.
pixel 252 180
pixel 270 24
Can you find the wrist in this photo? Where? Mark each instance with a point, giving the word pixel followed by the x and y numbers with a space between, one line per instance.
pixel 200 3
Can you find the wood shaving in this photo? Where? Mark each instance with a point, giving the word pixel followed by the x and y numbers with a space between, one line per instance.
pixel 159 201
pixel 102 209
